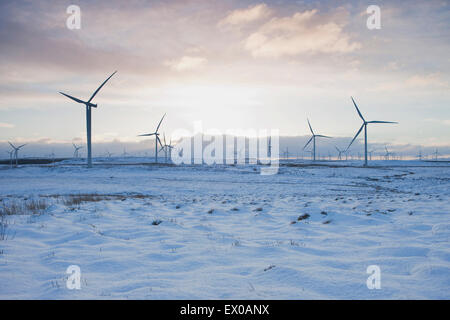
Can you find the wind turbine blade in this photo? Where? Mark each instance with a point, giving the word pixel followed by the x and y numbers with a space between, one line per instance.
pixel 73 98
pixel 157 138
pixel 11 145
pixel 337 149
pixel 146 135
pixel 310 128
pixel 319 135
pixel 308 142
pixel 21 146
pixel 358 110
pixel 381 122
pixel 96 91
pixel 160 122
pixel 356 136
pixel 164 134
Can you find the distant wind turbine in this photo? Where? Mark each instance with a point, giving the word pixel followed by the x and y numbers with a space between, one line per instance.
pixel 370 154
pixel 89 105
pixel 75 152
pixel 419 156
pixel 340 152
pixel 387 154
pixel 364 125
pixel 157 140
pixel 16 151
pixel 167 148
pixel 313 138
pixel 436 153
pixel 270 147
pixel 286 153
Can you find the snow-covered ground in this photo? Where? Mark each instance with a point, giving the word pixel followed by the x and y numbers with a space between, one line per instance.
pixel 227 232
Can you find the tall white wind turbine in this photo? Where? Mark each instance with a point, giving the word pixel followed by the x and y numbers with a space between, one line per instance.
pixel 89 105
pixel 313 139
pixel 364 125
pixel 157 140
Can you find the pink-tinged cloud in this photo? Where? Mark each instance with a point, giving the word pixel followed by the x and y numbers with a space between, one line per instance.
pixel 186 63
pixel 303 32
pixel 6 125
pixel 243 16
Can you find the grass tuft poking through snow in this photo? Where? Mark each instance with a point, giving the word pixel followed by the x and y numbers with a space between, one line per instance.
pixel 21 207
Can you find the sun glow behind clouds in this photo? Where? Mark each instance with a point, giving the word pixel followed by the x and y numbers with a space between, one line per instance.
pixel 212 97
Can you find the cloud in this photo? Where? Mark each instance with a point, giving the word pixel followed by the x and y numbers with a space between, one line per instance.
pixel 6 125
pixel 445 122
pixel 186 63
pixel 301 33
pixel 429 80
pixel 425 82
pixel 244 16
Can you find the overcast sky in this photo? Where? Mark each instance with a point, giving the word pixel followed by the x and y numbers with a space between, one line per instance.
pixel 230 64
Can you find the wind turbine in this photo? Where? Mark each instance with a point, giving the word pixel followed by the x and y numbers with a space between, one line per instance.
pixel 313 138
pixel 52 156
pixel 286 153
pixel 436 153
pixel 419 156
pixel 340 152
pixel 75 152
pixel 270 147
pixel 89 105
pixel 364 125
pixel 387 154
pixel 170 147
pixel 157 140
pixel 16 151
pixel 109 154
pixel 166 147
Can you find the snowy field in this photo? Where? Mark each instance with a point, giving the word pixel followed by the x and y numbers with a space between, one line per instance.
pixel 164 232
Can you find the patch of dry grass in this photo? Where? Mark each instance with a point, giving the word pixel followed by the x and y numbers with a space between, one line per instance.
pixel 75 200
pixel 16 206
